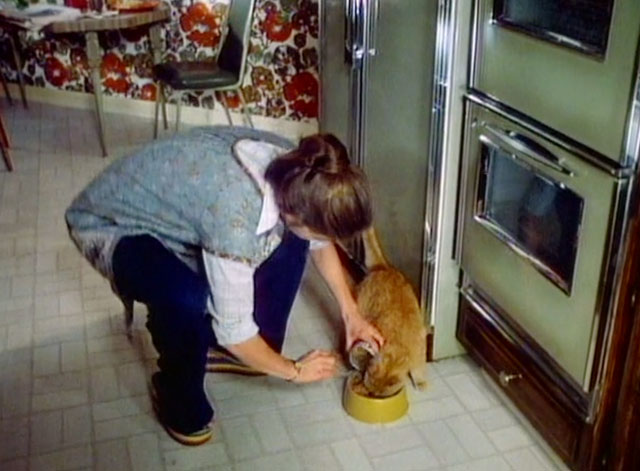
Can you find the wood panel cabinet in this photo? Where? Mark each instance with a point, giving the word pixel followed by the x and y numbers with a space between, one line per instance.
pixel 622 444
pixel 507 353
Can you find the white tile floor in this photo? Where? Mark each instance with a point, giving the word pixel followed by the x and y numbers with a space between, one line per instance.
pixel 73 388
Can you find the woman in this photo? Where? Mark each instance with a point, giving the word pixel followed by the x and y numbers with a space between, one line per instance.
pixel 211 231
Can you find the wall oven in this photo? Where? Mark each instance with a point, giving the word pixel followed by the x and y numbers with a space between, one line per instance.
pixel 538 227
pixel 568 64
pixel 550 150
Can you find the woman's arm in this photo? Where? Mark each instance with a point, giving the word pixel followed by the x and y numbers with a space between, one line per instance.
pixel 314 366
pixel 357 328
pixel 232 289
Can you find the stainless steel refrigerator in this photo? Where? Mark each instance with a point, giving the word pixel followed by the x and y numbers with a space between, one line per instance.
pixel 377 78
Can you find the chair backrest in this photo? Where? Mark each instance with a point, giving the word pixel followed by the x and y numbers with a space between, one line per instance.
pixel 233 53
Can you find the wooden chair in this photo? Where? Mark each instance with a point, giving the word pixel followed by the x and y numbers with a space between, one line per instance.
pixel 208 75
pixel 5 144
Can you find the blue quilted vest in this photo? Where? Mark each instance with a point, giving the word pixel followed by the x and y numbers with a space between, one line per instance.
pixel 190 191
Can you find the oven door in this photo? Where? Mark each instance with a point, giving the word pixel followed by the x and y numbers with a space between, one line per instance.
pixel 534 234
pixel 567 64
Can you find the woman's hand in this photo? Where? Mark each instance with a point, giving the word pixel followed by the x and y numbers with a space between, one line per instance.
pixel 315 366
pixel 358 328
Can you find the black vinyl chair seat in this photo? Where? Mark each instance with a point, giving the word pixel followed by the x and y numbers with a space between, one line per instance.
pixel 193 75
pixel 223 73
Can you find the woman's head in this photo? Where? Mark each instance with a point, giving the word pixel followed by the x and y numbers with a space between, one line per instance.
pixel 317 187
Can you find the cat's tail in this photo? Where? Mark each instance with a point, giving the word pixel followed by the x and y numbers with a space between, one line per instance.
pixel 373 255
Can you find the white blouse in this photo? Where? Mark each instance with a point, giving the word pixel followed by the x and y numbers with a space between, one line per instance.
pixel 231 282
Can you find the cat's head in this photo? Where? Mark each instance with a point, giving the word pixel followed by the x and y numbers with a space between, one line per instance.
pixel 385 375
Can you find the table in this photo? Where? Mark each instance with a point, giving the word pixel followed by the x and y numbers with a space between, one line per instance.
pixel 90 27
pixel 12 30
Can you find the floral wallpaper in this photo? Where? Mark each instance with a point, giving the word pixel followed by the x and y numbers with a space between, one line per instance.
pixel 281 78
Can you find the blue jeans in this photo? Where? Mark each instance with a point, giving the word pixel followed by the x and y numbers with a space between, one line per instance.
pixel 180 327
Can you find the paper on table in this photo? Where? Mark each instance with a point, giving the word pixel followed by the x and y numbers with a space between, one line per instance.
pixel 37 16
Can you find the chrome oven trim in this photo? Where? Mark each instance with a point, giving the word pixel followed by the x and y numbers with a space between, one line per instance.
pixel 558 139
pixel 475 54
pixel 524 145
pixel 632 135
pixel 554 38
pixel 631 144
pixel 497 231
pixel 537 264
pixel 439 133
pixel 607 297
pixel 609 293
pixel 464 182
pixel 558 39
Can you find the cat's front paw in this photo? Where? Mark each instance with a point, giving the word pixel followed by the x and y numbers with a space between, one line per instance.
pixel 418 379
pixel 420 385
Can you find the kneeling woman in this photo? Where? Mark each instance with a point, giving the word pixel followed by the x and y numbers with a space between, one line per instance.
pixel 211 230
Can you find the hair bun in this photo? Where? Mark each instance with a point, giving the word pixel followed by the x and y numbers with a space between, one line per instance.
pixel 312 145
pixel 316 183
pixel 319 162
pixel 324 153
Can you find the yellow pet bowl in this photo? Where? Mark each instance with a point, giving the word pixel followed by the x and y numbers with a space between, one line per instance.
pixel 374 409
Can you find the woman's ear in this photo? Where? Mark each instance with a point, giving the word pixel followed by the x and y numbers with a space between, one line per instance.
pixel 290 219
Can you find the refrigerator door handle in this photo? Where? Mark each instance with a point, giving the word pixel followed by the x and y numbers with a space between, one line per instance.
pixel 358 33
pixel 354 41
pixel 348 31
pixel 373 28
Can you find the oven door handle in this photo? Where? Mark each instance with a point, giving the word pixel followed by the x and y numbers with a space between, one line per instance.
pixel 528 146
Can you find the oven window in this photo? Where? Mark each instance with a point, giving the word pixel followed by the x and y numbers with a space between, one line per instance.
pixel 538 217
pixel 579 24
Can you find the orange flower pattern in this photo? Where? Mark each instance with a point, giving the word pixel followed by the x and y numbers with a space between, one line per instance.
pixel 114 72
pixel 202 24
pixel 55 71
pixel 281 78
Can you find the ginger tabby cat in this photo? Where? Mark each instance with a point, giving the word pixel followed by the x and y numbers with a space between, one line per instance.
pixel 385 298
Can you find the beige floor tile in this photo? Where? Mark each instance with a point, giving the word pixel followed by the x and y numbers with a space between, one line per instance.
pixel 73 387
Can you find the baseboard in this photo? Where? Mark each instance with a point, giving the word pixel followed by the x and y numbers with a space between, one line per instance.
pixel 146 109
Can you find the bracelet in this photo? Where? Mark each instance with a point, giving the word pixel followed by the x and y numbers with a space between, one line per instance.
pixel 298 369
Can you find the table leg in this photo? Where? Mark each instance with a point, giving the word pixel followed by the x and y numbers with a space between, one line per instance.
pixel 14 41
pixel 157 51
pixel 6 89
pixel 4 146
pixel 155 115
pixel 155 41
pixel 4 135
pixel 6 155
pixel 163 97
pixel 94 58
pixel 244 106
pixel 226 107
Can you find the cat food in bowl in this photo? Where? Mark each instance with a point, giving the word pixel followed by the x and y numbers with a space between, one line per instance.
pixel 361 406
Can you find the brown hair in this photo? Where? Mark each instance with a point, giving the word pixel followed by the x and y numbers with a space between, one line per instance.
pixel 317 184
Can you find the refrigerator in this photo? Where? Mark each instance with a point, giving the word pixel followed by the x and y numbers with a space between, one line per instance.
pixel 377 69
